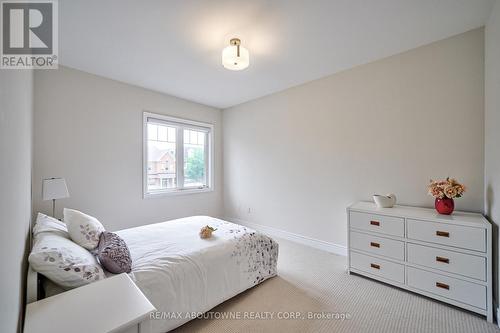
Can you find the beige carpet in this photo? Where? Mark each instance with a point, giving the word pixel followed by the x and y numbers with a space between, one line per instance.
pixel 315 281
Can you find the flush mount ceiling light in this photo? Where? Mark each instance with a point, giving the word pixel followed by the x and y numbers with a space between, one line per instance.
pixel 235 57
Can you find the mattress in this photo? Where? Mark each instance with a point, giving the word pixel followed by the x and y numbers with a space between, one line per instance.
pixel 184 276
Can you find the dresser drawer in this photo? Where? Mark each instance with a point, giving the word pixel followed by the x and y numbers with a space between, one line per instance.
pixel 449 261
pixel 448 234
pixel 378 267
pixel 377 245
pixel 377 223
pixel 455 289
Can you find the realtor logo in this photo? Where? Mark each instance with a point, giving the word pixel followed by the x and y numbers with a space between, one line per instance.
pixel 29 34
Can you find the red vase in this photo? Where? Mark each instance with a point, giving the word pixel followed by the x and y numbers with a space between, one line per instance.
pixel 444 206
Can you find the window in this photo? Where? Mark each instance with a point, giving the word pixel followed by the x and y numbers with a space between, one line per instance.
pixel 177 155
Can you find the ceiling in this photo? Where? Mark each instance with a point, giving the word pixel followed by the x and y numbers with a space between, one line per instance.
pixel 175 46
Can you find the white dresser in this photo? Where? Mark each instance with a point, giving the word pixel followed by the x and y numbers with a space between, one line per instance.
pixel 446 257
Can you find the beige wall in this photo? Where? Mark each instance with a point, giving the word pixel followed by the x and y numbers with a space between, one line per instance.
pixel 492 126
pixel 88 129
pixel 16 113
pixel 299 157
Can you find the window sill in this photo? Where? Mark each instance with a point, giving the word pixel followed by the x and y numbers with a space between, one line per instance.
pixel 176 192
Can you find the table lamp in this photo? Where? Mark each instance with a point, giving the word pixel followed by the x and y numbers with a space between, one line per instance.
pixel 52 189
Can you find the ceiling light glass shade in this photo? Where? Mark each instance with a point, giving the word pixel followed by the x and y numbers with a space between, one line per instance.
pixel 234 60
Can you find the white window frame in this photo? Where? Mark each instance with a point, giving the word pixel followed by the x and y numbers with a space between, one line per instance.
pixel 180 124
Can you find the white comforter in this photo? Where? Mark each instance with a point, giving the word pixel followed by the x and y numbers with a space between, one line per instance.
pixel 182 274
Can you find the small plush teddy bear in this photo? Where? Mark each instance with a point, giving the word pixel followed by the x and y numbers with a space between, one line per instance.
pixel 206 232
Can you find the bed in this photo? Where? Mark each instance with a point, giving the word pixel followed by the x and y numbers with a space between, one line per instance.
pixel 184 276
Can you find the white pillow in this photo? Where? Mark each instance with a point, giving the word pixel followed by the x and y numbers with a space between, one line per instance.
pixel 64 262
pixel 83 229
pixel 46 223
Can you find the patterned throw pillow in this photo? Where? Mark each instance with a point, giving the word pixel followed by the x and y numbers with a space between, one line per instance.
pixel 83 229
pixel 113 253
pixel 63 261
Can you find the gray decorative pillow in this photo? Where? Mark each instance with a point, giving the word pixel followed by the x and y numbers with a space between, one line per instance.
pixel 113 253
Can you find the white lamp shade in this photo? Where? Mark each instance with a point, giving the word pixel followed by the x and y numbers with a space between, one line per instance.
pixel 230 59
pixel 54 188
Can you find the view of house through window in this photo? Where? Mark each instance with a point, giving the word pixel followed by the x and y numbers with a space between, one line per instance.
pixel 194 158
pixel 177 155
pixel 161 157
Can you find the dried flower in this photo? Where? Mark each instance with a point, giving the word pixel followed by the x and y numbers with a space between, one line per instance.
pixel 449 188
pixel 450 191
pixel 206 232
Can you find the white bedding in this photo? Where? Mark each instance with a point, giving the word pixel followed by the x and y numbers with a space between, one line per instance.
pixel 180 273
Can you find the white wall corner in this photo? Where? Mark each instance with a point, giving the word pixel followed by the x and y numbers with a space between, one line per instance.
pixel 308 241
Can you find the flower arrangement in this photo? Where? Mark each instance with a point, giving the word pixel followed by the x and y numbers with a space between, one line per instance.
pixel 448 188
pixel 445 191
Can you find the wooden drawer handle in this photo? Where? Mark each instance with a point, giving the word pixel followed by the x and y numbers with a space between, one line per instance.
pixel 442 285
pixel 373 244
pixel 375 266
pixel 377 223
pixel 443 259
pixel 442 233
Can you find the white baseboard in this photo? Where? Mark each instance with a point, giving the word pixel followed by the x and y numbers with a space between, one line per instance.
pixel 312 242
